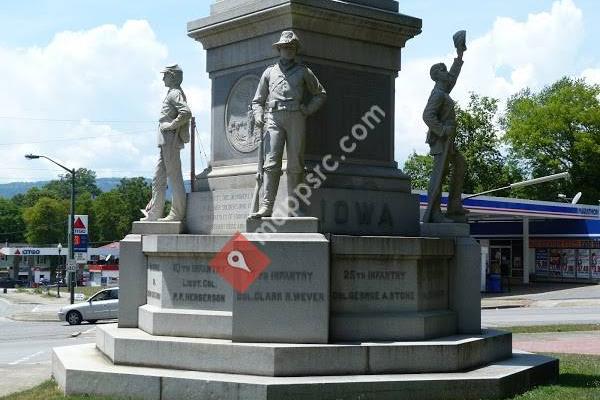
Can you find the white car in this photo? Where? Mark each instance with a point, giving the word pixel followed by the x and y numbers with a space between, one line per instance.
pixel 102 305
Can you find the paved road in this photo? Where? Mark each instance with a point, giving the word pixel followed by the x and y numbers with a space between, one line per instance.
pixel 540 316
pixel 25 347
pixel 544 304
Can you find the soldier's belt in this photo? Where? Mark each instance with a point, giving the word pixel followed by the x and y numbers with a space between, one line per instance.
pixel 282 105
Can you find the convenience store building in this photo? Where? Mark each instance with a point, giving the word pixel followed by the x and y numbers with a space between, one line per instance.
pixel 526 240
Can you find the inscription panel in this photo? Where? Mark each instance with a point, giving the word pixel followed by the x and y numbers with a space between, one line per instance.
pixel 187 283
pixel 340 211
pixel 289 301
pixel 365 285
pixel 220 212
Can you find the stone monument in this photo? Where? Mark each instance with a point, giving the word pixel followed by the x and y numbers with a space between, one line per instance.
pixel 351 301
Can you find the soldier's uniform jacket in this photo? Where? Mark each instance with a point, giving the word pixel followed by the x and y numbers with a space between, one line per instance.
pixel 439 112
pixel 284 89
pixel 175 110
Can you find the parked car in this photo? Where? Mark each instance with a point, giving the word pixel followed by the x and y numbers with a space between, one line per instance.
pixel 12 283
pixel 102 305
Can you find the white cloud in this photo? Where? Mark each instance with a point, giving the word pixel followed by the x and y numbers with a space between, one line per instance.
pixel 108 72
pixel 511 56
pixel 592 75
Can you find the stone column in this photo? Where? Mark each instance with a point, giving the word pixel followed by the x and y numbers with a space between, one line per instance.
pixel 354 47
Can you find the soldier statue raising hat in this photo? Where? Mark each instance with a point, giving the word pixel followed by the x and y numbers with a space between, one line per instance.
pixel 440 118
pixel 287 93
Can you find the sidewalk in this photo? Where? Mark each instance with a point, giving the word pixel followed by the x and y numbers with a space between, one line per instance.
pixel 43 308
pixel 559 342
pixel 545 295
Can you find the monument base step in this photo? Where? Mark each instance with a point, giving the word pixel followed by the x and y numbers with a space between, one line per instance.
pixel 157 227
pixel 185 323
pixel 392 326
pixel 449 354
pixel 83 369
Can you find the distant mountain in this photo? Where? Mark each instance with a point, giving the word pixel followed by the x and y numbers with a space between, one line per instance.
pixel 8 190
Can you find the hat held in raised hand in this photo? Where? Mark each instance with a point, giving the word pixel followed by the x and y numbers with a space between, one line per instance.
pixel 288 38
pixel 460 40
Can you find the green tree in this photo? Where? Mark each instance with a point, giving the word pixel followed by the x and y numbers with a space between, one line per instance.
pixel 556 130
pixel 136 192
pixel 419 167
pixel 12 226
pixel 111 222
pixel 85 181
pixel 32 196
pixel 46 221
pixel 478 139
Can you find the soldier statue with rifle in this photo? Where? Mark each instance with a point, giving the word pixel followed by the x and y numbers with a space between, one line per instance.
pixel 440 117
pixel 287 93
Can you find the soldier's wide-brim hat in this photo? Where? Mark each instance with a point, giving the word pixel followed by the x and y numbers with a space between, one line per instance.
pixel 460 40
pixel 288 38
pixel 175 68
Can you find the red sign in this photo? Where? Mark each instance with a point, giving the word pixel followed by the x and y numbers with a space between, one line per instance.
pixel 240 262
pixel 79 224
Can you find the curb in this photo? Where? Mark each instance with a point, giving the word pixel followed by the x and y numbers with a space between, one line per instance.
pixel 503 307
pixel 28 317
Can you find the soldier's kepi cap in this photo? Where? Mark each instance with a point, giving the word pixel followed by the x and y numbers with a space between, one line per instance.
pixel 175 68
pixel 288 38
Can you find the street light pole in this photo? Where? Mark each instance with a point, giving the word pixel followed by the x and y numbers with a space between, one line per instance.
pixel 71 218
pixel 59 247
pixel 72 274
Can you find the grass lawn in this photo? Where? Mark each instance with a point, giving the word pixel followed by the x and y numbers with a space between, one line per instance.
pixel 88 291
pixel 579 380
pixel 49 391
pixel 551 328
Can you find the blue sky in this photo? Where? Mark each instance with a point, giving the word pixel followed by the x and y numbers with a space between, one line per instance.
pixel 89 63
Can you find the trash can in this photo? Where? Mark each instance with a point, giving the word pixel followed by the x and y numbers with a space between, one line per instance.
pixel 494 283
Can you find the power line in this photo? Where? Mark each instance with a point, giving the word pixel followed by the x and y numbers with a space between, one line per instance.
pixel 98 121
pixel 201 147
pixel 75 138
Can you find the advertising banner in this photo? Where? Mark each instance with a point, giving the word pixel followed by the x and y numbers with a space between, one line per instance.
pixel 583 263
pixel 554 263
pixel 569 263
pixel 541 262
pixel 595 264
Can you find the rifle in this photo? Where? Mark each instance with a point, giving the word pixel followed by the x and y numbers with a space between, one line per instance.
pixel 261 161
pixel 439 178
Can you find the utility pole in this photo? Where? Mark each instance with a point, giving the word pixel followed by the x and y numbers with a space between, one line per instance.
pixel 72 274
pixel 71 237
pixel 193 150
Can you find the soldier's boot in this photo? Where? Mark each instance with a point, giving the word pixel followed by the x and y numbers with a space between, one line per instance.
pixel 456 211
pixel 437 217
pixel 270 186
pixel 294 206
